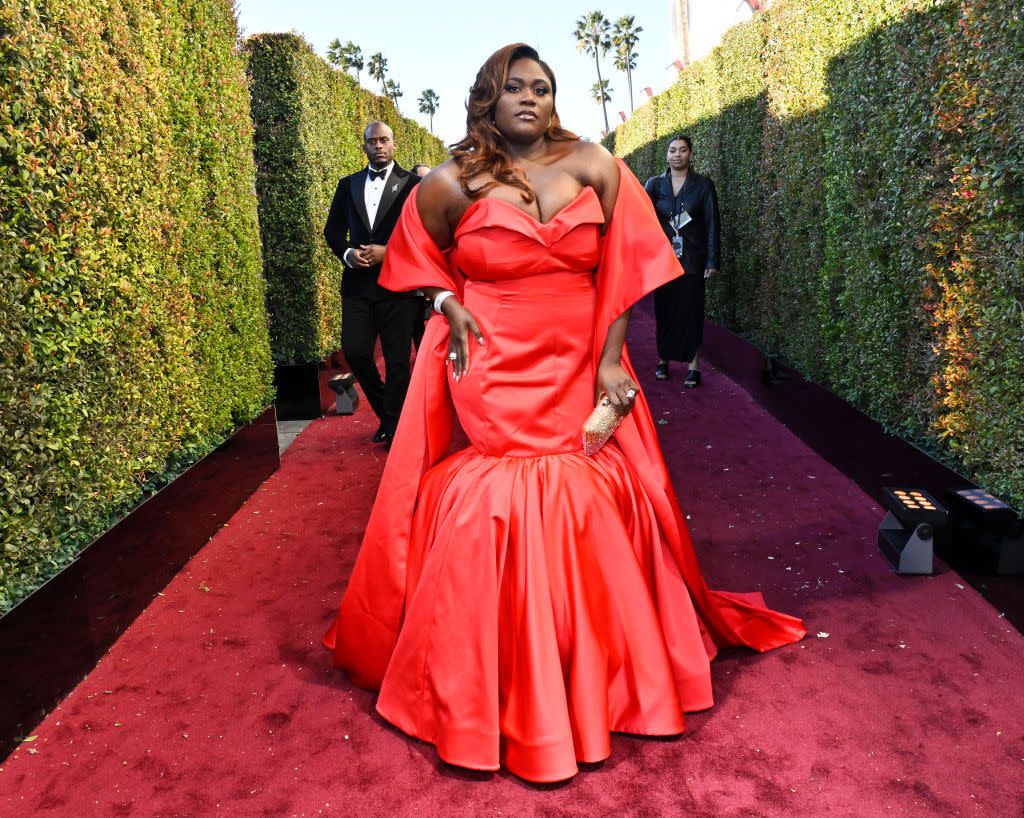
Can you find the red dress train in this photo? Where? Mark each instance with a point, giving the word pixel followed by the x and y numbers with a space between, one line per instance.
pixel 517 601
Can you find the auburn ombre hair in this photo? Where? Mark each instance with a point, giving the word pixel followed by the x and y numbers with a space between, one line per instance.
pixel 482 149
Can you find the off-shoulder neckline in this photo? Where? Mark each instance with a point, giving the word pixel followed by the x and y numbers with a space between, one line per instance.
pixel 581 196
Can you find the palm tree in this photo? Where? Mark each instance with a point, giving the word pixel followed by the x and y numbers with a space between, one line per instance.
pixel 625 38
pixel 393 90
pixel 601 93
pixel 336 53
pixel 626 61
pixel 429 101
pixel 593 37
pixel 346 56
pixel 352 56
pixel 378 68
pixel 681 10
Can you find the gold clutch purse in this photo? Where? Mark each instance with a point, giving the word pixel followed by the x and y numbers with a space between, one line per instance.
pixel 600 426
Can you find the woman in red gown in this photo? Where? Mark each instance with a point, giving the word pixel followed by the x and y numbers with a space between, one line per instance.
pixel 517 601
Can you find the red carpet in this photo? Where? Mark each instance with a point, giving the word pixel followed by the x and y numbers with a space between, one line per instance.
pixel 221 700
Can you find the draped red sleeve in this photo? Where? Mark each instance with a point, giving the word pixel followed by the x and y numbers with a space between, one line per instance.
pixel 364 634
pixel 635 259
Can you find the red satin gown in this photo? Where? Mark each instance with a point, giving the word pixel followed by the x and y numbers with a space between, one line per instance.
pixel 517 601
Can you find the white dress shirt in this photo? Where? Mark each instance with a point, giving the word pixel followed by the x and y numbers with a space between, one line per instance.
pixel 373 190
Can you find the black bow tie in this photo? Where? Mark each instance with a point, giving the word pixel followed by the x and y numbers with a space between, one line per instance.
pixel 377 174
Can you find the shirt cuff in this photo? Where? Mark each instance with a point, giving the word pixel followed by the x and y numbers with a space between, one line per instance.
pixel 344 257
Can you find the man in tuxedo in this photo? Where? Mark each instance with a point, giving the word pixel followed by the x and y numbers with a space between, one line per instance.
pixel 365 210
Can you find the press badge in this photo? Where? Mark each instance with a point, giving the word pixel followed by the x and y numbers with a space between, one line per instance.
pixel 678 222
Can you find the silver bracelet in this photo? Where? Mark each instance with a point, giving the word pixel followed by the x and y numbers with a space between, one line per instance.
pixel 439 299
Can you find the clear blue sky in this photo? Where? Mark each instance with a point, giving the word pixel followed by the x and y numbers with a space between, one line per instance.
pixel 430 46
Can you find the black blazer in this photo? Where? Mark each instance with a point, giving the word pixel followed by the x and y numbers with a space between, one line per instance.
pixel 702 238
pixel 348 226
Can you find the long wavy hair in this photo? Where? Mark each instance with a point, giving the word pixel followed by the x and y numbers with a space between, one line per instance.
pixel 482 149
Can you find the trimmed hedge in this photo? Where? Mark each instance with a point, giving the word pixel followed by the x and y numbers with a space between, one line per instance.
pixel 977 246
pixel 737 162
pixel 635 139
pixel 309 120
pixel 871 176
pixel 883 166
pixel 134 329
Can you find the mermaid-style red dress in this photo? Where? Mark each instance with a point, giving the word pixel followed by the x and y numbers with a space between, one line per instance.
pixel 517 601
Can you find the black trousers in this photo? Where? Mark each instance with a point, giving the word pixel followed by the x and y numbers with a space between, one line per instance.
pixel 363 321
pixel 679 317
pixel 420 326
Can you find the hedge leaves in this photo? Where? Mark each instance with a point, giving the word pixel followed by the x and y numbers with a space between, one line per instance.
pixel 132 308
pixel 870 166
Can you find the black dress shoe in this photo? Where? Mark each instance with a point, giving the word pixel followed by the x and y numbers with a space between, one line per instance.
pixel 692 378
pixel 661 372
pixel 383 435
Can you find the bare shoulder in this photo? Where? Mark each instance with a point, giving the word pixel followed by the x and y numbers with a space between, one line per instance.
pixel 594 152
pixel 594 155
pixel 441 183
pixel 598 169
pixel 440 200
pixel 595 166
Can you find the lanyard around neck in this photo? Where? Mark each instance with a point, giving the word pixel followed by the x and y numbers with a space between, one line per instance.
pixel 676 222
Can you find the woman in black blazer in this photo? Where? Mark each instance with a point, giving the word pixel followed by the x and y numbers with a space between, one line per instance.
pixel 687 207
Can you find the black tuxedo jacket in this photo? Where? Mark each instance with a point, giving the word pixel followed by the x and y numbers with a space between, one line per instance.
pixel 349 226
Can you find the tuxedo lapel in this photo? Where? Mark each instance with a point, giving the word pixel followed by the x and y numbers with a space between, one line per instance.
pixel 359 197
pixel 398 179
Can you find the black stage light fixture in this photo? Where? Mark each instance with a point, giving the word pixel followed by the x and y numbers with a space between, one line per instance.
pixel 344 386
pixel 986 531
pixel 906 535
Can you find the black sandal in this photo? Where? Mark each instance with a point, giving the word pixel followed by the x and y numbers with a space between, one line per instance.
pixel 692 378
pixel 661 371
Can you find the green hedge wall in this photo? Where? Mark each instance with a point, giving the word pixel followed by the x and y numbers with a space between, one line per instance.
pixel 871 176
pixel 635 140
pixel 309 120
pixel 737 165
pixel 132 314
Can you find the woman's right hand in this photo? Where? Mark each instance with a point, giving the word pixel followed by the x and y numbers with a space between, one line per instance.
pixel 461 324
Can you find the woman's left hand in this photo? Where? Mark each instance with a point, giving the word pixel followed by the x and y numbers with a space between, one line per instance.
pixel 614 381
